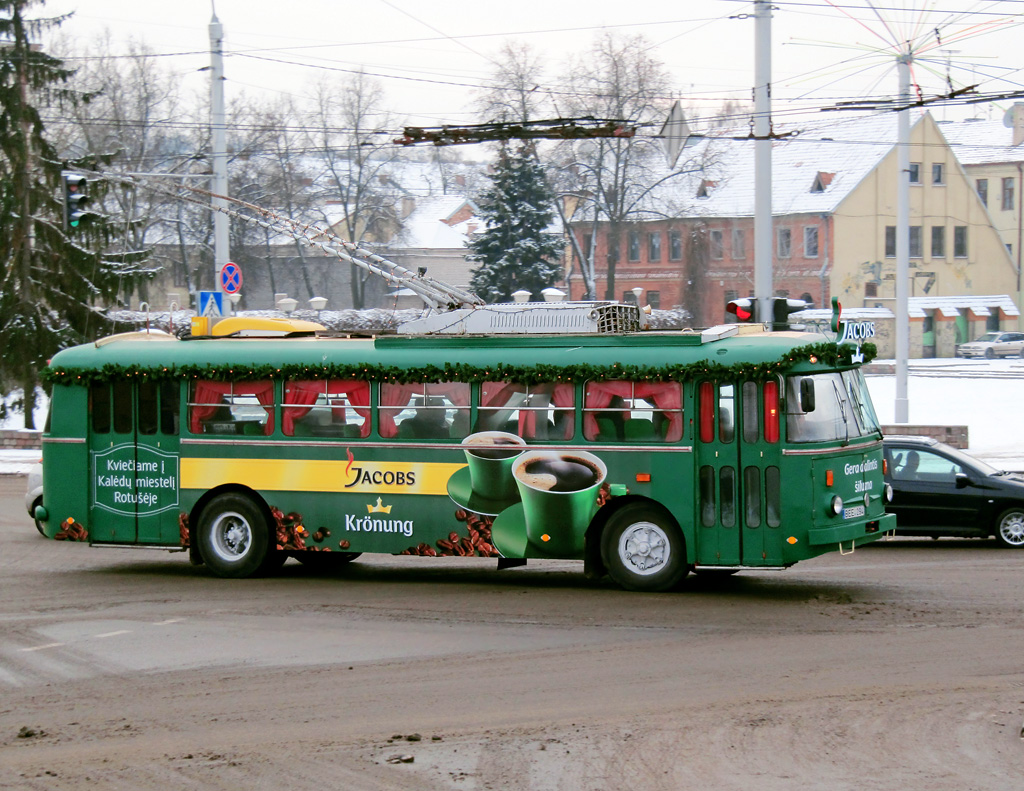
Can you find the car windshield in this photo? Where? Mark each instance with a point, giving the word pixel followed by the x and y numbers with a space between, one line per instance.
pixel 842 408
pixel 988 337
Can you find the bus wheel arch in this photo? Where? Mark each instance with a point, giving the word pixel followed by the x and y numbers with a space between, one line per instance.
pixel 642 546
pixel 231 528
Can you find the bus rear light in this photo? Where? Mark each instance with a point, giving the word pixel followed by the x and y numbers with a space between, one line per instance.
pixel 885 466
pixel 837 505
pixel 643 477
pixel 871 527
pixel 829 477
pixel 771 411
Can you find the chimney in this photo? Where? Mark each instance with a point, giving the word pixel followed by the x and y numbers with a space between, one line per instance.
pixel 1014 119
pixel 408 205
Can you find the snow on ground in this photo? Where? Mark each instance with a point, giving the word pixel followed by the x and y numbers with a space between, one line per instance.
pixel 987 396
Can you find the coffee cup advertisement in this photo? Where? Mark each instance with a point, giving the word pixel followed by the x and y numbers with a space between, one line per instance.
pixel 559 491
pixel 490 456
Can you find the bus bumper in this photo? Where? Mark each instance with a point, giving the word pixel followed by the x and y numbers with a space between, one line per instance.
pixel 856 532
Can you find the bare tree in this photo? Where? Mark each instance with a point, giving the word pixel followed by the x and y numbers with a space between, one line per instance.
pixel 515 93
pixel 356 161
pixel 612 177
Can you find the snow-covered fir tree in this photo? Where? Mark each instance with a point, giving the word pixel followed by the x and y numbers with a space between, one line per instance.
pixel 514 251
pixel 50 280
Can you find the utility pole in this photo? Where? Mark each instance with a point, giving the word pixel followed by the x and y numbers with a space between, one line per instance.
pixel 763 291
pixel 219 148
pixel 902 407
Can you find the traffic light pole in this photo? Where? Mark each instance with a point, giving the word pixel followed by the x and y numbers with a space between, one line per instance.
pixel 902 404
pixel 763 290
pixel 219 149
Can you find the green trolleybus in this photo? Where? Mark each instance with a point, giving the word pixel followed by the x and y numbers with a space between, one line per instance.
pixel 646 455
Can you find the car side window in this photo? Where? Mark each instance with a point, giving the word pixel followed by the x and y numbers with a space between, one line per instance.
pixel 924 466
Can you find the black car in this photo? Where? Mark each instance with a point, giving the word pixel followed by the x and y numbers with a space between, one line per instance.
pixel 941 491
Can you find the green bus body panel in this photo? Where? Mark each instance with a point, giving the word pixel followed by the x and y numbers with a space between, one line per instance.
pixel 380 517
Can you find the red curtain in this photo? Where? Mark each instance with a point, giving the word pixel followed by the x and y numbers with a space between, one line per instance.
pixel 665 396
pixel 397 397
pixel 299 398
pixel 209 397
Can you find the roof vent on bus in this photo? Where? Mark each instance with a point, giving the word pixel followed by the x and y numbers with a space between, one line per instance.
pixel 547 318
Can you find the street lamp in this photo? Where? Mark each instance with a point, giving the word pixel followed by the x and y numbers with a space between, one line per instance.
pixel 288 304
pixel 637 291
pixel 552 294
pixel 522 295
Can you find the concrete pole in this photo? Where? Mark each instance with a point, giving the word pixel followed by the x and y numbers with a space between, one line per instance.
pixel 763 290
pixel 902 406
pixel 219 148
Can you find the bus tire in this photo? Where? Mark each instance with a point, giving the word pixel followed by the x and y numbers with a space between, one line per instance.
pixel 39 525
pixel 1010 528
pixel 643 549
pixel 234 537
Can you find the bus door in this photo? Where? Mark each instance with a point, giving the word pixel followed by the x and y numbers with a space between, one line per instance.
pixel 738 474
pixel 718 525
pixel 760 454
pixel 134 444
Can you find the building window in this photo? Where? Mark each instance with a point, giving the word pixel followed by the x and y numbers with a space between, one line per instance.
pixel 675 246
pixel 588 245
pixel 633 246
pixel 784 243
pixel 960 241
pixel 716 245
pixel 938 241
pixel 870 290
pixel 915 241
pixel 654 299
pixel 654 247
pixel 915 172
pixel 811 241
pixel 629 298
pixel 739 243
pixel 938 173
pixel 890 241
pixel 981 185
pixel 1008 189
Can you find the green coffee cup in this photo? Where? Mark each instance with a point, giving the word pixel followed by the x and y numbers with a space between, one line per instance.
pixel 490 456
pixel 559 490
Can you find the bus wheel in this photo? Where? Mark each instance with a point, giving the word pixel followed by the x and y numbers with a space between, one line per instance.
pixel 234 539
pixel 642 550
pixel 325 560
pixel 1010 528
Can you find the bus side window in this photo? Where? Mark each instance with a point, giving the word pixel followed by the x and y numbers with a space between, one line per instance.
pixel 123 408
pixel 726 413
pixel 99 407
pixel 543 411
pixel 147 404
pixel 751 423
pixel 170 403
pixel 424 411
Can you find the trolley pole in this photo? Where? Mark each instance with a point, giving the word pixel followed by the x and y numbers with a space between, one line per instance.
pixel 219 149
pixel 763 290
pixel 902 406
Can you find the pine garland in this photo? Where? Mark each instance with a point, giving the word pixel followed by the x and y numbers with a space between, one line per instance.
pixel 828 353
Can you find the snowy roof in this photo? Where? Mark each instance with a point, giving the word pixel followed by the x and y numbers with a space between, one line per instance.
pixel 862 314
pixel 952 306
pixel 980 142
pixel 430 226
pixel 813 170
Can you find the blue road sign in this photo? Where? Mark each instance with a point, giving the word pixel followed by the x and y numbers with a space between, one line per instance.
pixel 211 304
pixel 231 278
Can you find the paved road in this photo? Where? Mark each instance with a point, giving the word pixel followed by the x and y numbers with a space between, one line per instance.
pixel 897 667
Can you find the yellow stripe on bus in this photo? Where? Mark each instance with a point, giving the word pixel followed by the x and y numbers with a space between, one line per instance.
pixel 365 477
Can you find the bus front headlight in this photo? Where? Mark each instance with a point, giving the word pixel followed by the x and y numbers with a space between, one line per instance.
pixel 837 505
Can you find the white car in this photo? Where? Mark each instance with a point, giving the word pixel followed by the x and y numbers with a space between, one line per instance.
pixel 34 493
pixel 994 344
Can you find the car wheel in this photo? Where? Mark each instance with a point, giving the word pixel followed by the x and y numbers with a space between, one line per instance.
pixel 989 354
pixel 234 538
pixel 39 525
pixel 643 550
pixel 1022 352
pixel 1010 528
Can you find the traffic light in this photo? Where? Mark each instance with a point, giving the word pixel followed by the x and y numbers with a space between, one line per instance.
pixel 781 308
pixel 744 309
pixel 76 198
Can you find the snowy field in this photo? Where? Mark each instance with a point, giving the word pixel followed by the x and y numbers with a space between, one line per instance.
pixel 987 396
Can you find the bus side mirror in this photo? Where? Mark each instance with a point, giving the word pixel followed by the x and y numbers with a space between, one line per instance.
pixel 806 395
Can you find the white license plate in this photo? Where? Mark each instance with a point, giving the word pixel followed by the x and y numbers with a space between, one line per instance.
pixel 853 513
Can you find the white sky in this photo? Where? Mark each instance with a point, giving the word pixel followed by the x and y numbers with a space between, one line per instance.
pixel 431 54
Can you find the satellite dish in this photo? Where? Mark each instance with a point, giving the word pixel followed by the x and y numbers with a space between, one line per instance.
pixel 1008 116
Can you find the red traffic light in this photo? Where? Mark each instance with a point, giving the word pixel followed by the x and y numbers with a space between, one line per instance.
pixel 742 309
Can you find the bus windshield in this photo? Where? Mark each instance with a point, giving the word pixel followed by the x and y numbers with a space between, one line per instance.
pixel 842 408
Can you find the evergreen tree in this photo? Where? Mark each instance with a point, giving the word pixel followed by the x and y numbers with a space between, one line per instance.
pixel 514 251
pixel 49 281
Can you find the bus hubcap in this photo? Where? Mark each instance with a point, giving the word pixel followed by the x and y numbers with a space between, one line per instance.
pixel 644 548
pixel 231 536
